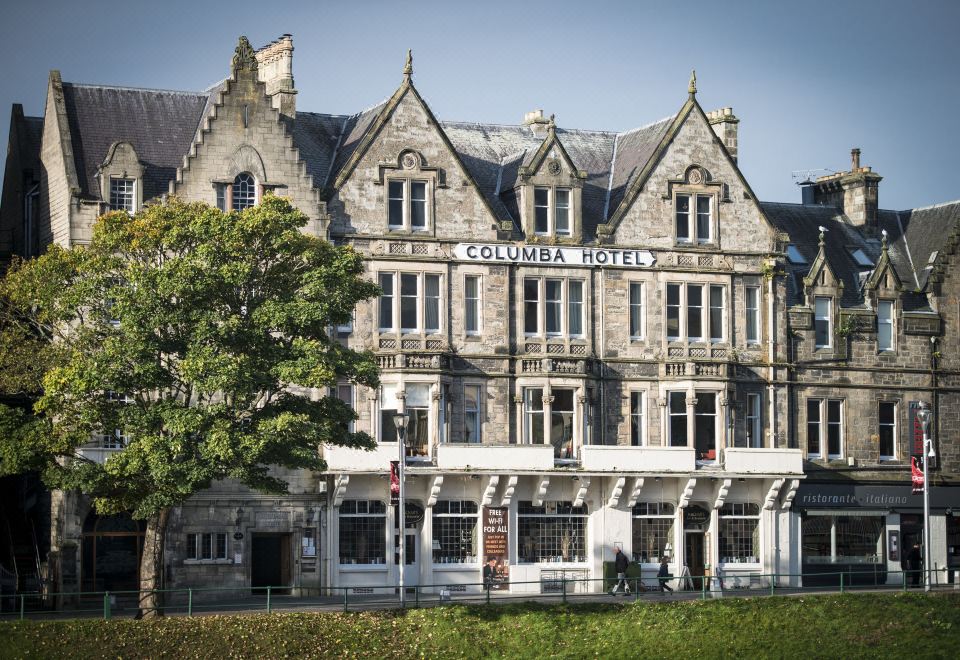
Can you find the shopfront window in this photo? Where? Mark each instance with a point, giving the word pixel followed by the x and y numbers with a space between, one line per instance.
pixel 738 535
pixel 841 539
pixel 553 533
pixel 652 530
pixel 363 532
pixel 455 532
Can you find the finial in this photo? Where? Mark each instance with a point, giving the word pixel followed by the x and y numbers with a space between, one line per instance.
pixel 692 89
pixel 883 240
pixel 823 231
pixel 244 57
pixel 408 67
pixel 552 124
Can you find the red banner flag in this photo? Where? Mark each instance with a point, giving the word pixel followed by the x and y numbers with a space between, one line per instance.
pixel 916 474
pixel 394 483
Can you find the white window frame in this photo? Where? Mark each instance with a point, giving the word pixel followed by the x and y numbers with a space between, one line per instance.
pixel 637 416
pixel 478 412
pixel 551 208
pixel 421 302
pixel 817 317
pixel 476 302
pixel 752 324
pixel 408 202
pixel 887 322
pixel 564 304
pixel 530 413
pixel 129 195
pixel 637 303
pixel 233 191
pixel 894 426
pixel 473 556
pixel 693 225
pixel 704 312
pixel 823 427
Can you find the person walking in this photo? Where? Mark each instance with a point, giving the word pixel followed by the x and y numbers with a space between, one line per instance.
pixel 620 564
pixel 663 575
pixel 913 561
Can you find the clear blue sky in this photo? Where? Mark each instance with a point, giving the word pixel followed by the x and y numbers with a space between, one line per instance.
pixel 809 80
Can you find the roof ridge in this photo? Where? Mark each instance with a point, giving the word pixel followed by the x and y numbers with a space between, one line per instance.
pixel 645 126
pixel 931 206
pixel 184 92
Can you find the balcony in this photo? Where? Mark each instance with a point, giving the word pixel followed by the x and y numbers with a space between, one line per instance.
pixel 742 460
pixel 609 458
pixel 495 457
pixel 341 459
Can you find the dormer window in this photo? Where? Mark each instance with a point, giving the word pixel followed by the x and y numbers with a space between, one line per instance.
pixel 694 218
pixel 794 256
pixel 551 208
pixel 861 258
pixel 407 205
pixel 123 195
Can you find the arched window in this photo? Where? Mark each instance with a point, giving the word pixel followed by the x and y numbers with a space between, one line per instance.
pixel 244 191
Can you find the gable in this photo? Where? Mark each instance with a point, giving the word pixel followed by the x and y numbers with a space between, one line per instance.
pixel 646 213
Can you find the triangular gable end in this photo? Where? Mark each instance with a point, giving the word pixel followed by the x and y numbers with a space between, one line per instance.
pixel 551 143
pixel 884 275
pixel 689 107
pixel 821 275
pixel 505 228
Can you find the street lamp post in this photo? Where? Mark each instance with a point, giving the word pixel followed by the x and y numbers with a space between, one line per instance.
pixel 400 421
pixel 924 415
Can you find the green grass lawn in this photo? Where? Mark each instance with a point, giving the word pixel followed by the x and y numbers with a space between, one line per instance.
pixel 838 626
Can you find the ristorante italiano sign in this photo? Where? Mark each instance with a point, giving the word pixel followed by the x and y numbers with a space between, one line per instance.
pixel 538 255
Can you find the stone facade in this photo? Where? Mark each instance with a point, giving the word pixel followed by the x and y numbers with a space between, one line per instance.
pixel 605 337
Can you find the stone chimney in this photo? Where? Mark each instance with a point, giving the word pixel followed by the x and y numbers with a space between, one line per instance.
pixel 855 192
pixel 537 122
pixel 275 70
pixel 724 124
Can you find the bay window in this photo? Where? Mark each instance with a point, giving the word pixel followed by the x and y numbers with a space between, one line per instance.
pixel 824 428
pixel 700 309
pixel 561 311
pixel 410 302
pixel 652 530
pixel 455 532
pixel 738 533
pixel 555 532
pixel 362 538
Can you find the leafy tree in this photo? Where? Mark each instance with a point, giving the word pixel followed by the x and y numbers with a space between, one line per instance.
pixel 195 332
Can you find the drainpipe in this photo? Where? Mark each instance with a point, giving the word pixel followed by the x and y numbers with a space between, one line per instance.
pixel 603 366
pixel 771 328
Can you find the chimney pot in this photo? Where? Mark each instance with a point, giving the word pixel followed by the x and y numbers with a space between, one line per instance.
pixel 855 159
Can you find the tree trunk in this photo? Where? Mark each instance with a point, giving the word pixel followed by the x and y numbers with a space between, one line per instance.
pixel 151 565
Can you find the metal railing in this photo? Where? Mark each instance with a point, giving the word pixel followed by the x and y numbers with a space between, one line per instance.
pixel 204 600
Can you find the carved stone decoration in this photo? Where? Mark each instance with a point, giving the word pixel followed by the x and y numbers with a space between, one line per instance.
pixel 244 57
pixel 554 167
pixel 772 494
pixel 695 176
pixel 616 492
pixel 491 489
pixel 508 491
pixel 409 161
pixel 582 492
pixel 540 493
pixel 635 492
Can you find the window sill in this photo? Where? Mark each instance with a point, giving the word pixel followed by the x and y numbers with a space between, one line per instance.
pixel 208 562
pixel 365 568
pixel 455 567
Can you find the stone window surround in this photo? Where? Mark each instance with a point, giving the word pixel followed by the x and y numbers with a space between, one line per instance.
pixel 563 180
pixel 643 440
pixel 894 318
pixel 706 282
pixel 198 534
pixel 418 268
pixel 824 454
pixel 692 388
pixel 121 162
pixel 481 408
pixel 551 207
pixel 477 272
pixel 547 384
pixel 696 180
pixel 649 404
pixel 553 274
pixel 410 165
pixel 644 286
pixel 897 407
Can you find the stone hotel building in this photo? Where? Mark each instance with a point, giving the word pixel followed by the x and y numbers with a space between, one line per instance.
pixel 601 338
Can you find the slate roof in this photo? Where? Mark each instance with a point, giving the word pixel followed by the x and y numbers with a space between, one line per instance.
pixel 926 230
pixel 159 124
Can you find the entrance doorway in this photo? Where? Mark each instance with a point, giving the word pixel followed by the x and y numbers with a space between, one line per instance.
pixel 112 546
pixel 694 557
pixel 270 562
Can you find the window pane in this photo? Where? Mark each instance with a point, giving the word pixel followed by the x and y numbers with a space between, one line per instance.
pixel 678 419
pixel 533 415
pixel 408 302
pixel 471 413
pixel 754 424
pixel 561 423
pixel 716 313
pixel 885 325
pixel 386 301
pixel 531 306
pixel 822 316
pixel 575 308
pixel 206 546
pixel 562 219
pixel 887 428
pixel 191 546
pixel 418 204
pixel 244 192
pixel 541 209
pixel 834 428
pixel 554 306
pixel 673 311
pixel 703 218
pixel 431 284
pixel 694 311
pixel 813 427
pixel 683 217
pixel 705 431
pixel 636 418
pixel 753 313
pixel 636 309
pixel 121 195
pixel 396 204
pixel 471 295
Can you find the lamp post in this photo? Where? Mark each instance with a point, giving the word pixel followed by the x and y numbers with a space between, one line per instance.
pixel 400 421
pixel 924 415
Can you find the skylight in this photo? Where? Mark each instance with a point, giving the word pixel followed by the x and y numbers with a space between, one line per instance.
pixel 861 258
pixel 794 256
